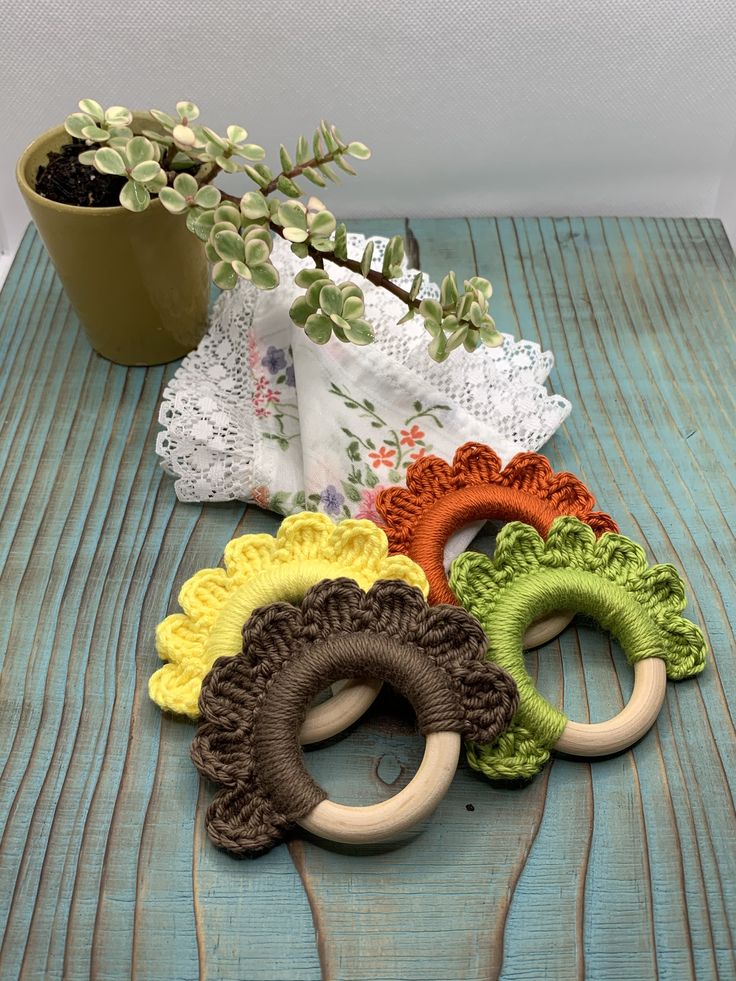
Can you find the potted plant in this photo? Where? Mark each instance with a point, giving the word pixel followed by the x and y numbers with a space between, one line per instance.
pixel 138 282
pixel 136 272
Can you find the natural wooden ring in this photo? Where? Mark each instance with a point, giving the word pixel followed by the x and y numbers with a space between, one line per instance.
pixel 461 507
pixel 279 761
pixel 389 818
pixel 634 720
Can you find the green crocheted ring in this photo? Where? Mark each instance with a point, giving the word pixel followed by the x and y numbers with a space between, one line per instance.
pixel 608 578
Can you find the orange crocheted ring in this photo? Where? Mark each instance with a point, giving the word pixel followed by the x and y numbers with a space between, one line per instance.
pixel 439 498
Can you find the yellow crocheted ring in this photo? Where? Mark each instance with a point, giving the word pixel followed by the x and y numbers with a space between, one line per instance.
pixel 262 569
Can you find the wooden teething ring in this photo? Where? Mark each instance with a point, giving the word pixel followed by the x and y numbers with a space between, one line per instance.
pixel 611 605
pixel 634 720
pixel 254 705
pixel 280 764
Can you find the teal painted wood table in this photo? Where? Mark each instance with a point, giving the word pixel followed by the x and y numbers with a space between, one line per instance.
pixel 624 868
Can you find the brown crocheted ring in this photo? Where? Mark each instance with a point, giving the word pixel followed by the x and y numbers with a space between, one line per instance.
pixel 252 707
pixel 440 498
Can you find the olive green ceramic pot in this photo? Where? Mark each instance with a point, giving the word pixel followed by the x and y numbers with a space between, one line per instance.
pixel 138 281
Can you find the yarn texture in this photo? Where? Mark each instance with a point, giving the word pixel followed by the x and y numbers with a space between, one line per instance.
pixel 261 569
pixel 608 578
pixel 439 498
pixel 253 705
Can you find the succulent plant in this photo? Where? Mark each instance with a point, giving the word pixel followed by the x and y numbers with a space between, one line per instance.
pixel 459 318
pixel 229 152
pixel 97 125
pixel 393 258
pixel 187 195
pixel 246 255
pixel 178 161
pixel 257 208
pixel 138 161
pixel 178 128
pixel 311 223
pixel 329 308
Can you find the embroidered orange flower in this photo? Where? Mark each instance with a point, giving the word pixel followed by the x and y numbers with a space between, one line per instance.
pixel 384 456
pixel 431 479
pixel 260 496
pixel 420 454
pixel 409 437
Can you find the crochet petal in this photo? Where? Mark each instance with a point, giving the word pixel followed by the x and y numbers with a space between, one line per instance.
pixel 395 608
pixel 334 606
pixel 429 478
pixel 175 687
pixel 516 755
pixel 401 567
pixel 472 581
pixel 661 589
pixel 248 555
pixel 620 559
pixel 569 494
pixel 600 522
pixel 450 637
pixel 398 509
pixel 519 547
pixel 203 596
pixel 685 647
pixel 303 536
pixel 358 543
pixel 528 472
pixel 570 544
pixel 229 690
pixel 217 752
pixel 271 637
pixel 489 699
pixel 476 463
pixel 178 638
pixel 244 822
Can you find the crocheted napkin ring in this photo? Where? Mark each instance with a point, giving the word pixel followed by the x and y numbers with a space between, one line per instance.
pixel 263 569
pixel 253 706
pixel 607 578
pixel 440 498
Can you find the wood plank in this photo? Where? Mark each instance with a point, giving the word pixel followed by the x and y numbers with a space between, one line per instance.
pixel 621 868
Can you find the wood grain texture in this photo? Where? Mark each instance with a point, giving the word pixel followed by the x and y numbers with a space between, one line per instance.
pixel 619 868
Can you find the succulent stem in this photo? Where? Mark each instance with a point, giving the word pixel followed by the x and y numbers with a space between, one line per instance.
pixel 300 168
pixel 208 174
pixel 375 277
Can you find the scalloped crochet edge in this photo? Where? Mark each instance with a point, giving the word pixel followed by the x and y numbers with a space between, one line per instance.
pixel 355 548
pixel 480 581
pixel 431 478
pixel 572 544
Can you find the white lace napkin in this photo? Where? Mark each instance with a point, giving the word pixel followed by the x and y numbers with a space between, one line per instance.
pixel 260 413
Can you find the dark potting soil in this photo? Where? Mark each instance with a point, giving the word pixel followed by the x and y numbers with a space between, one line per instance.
pixel 66 180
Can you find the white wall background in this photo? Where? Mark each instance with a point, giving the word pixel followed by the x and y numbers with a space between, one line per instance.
pixel 470 106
